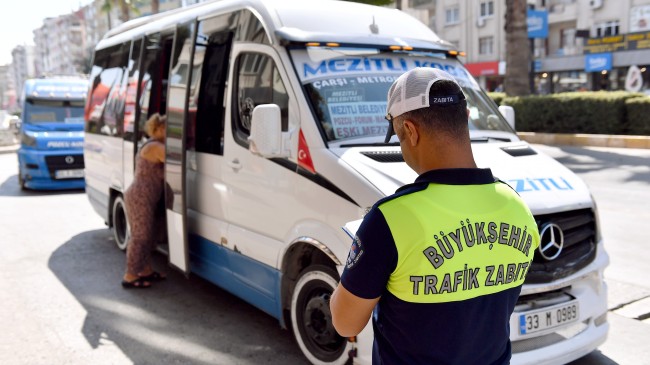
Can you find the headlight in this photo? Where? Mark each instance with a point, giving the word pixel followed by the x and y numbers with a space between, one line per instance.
pixel 27 140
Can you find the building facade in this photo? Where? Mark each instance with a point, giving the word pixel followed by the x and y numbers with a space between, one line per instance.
pixel 22 67
pixel 591 44
pixel 8 99
pixel 61 45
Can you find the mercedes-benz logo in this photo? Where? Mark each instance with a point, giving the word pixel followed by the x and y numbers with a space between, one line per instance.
pixel 551 241
pixel 69 160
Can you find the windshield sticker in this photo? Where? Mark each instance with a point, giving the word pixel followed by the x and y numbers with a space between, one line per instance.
pixel 348 66
pixel 540 184
pixel 344 96
pixel 358 119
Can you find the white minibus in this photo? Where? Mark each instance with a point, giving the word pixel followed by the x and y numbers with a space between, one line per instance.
pixel 275 140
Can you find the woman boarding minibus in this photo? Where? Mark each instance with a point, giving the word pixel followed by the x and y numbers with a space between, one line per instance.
pixel 275 140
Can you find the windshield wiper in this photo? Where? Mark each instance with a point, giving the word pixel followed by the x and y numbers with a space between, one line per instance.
pixel 376 144
pixel 488 139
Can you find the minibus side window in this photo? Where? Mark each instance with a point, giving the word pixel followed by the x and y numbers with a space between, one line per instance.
pixel 105 79
pixel 179 77
pixel 211 55
pixel 258 82
pixel 130 112
pixel 115 75
pixel 97 93
pixel 155 66
pixel 251 29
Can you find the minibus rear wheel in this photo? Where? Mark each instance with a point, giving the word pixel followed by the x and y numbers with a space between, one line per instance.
pixel 311 319
pixel 120 224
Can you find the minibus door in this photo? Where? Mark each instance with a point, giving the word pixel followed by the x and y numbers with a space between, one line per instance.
pixel 176 150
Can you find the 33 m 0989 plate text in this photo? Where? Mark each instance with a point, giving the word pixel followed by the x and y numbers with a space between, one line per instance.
pixel 540 320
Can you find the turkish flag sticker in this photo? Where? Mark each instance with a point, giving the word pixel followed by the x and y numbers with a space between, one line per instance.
pixel 304 157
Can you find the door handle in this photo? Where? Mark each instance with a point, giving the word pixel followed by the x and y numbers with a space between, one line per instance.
pixel 235 164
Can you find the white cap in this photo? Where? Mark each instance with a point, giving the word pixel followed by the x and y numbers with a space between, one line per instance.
pixel 411 91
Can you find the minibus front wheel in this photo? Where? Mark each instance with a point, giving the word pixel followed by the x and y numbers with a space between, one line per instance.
pixel 311 319
pixel 120 223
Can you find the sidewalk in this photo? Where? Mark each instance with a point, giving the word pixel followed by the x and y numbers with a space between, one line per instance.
pixel 9 148
pixel 592 140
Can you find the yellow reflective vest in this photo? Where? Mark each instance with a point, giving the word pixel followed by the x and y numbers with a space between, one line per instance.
pixel 457 242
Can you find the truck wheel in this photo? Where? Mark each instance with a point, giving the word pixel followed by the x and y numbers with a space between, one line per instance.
pixel 120 224
pixel 21 181
pixel 311 319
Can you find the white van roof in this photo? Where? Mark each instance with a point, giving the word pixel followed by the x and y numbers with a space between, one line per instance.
pixel 300 21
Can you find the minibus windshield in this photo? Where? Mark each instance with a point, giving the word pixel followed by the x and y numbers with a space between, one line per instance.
pixel 53 111
pixel 347 89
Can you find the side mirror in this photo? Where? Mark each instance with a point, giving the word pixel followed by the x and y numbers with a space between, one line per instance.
pixel 508 112
pixel 266 138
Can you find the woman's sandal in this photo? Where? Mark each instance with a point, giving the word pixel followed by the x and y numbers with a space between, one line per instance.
pixel 139 283
pixel 154 276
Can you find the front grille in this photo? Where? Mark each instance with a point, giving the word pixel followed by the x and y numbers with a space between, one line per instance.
pixel 579 249
pixel 62 162
pixel 384 156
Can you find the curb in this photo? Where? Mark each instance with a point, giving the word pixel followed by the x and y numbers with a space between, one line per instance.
pixel 9 149
pixel 591 140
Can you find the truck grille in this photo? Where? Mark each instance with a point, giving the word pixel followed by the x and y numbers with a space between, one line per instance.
pixel 578 250
pixel 64 162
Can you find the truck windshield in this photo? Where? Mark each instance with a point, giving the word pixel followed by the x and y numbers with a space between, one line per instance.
pixel 53 111
pixel 347 89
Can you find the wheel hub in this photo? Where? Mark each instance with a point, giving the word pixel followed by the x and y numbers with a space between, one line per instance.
pixel 318 320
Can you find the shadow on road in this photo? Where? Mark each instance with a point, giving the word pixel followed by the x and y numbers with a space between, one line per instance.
pixel 177 321
pixel 604 160
pixel 10 187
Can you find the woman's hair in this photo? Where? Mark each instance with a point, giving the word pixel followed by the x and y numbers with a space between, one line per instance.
pixel 155 121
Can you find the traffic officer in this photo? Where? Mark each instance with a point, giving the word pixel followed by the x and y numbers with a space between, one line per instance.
pixel 441 262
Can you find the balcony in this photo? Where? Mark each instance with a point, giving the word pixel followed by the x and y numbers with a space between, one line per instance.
pixel 422 4
pixel 562 12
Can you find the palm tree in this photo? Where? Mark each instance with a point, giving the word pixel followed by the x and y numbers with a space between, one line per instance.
pixel 518 54
pixel 126 8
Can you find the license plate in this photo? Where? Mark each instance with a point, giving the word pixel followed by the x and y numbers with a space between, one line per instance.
pixel 543 319
pixel 69 174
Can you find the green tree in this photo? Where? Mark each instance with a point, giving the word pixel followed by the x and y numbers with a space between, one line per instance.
pixel 518 54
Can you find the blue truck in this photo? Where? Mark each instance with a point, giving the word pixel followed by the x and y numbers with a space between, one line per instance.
pixel 50 156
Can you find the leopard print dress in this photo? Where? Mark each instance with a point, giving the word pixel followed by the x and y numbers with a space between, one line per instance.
pixel 141 200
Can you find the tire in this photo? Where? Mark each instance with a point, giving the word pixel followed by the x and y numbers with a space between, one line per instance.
pixel 311 319
pixel 21 180
pixel 120 223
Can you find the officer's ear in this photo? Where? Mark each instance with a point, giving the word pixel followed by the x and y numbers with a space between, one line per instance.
pixel 411 132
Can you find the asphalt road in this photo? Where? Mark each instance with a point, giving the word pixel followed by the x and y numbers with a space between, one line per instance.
pixel 62 302
pixel 619 180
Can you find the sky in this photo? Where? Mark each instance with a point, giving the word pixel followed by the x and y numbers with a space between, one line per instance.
pixel 18 19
